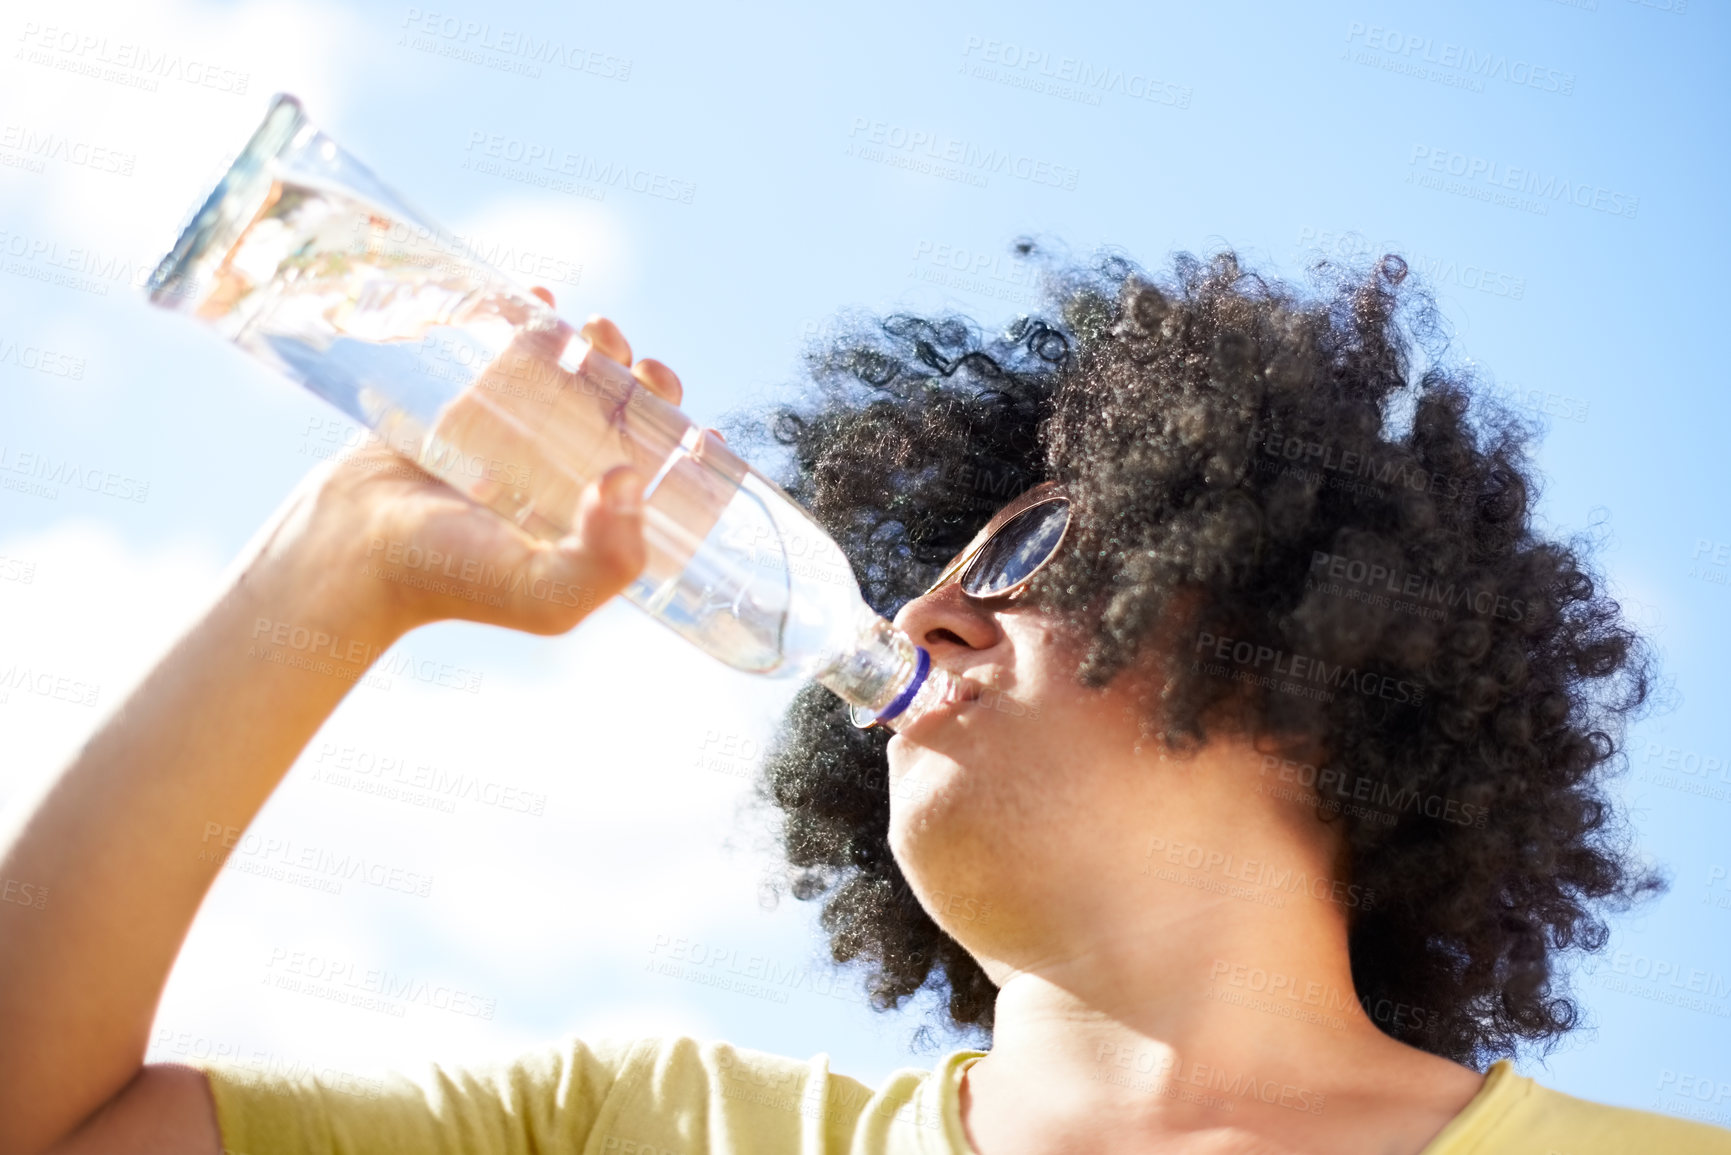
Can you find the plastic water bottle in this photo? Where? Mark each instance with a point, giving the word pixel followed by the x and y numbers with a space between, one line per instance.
pixel 305 260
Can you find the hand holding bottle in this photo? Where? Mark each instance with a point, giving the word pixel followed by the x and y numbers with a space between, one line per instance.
pixel 306 260
pixel 406 549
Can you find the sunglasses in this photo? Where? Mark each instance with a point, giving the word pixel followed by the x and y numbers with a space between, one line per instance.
pixel 1003 558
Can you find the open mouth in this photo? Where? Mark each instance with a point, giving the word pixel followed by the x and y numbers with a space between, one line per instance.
pixel 957 691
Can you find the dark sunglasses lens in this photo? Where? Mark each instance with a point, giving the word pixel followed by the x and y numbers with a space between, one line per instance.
pixel 1017 549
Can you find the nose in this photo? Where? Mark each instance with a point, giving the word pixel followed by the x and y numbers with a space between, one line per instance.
pixel 947 618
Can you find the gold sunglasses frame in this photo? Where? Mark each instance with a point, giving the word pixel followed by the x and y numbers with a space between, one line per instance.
pixel 1045 493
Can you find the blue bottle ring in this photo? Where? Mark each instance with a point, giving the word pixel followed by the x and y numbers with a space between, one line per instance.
pixel 921 669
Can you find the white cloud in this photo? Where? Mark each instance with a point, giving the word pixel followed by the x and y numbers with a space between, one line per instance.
pixel 606 725
pixel 93 613
pixel 613 725
pixel 213 68
pixel 579 250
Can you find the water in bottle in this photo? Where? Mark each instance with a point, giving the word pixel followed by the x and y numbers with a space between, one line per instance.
pixel 305 260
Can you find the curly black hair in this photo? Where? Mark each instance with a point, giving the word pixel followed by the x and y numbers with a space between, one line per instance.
pixel 1300 475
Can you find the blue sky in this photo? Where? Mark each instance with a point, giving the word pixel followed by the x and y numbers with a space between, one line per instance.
pixel 1556 170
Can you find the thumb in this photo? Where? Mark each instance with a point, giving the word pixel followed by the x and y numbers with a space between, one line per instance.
pixel 606 547
pixel 603 553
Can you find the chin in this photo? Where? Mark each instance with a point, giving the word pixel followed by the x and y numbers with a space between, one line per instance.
pixel 947 823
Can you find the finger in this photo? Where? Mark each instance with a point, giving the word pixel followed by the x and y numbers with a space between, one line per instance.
pixel 718 435
pixel 544 294
pixel 605 336
pixel 659 380
pixel 601 557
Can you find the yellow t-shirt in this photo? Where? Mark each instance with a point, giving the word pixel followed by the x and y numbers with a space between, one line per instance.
pixel 679 1096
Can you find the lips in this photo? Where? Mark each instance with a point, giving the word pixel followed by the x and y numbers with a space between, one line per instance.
pixel 967 691
pixel 955 691
pixel 959 687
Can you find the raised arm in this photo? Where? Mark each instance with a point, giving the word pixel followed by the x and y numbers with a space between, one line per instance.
pixel 126 839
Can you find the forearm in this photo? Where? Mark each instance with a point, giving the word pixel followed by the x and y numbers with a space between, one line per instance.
pixel 128 838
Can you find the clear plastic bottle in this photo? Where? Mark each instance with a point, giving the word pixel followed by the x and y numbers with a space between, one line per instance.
pixel 304 259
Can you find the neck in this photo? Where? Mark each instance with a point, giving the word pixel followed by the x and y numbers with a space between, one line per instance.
pixel 1207 999
pixel 1201 974
pixel 1224 981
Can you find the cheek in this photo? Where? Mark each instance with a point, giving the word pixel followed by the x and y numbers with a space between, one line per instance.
pixel 947 817
pixel 980 772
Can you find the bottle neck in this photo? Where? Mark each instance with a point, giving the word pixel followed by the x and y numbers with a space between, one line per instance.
pixel 881 666
pixel 887 678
